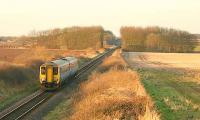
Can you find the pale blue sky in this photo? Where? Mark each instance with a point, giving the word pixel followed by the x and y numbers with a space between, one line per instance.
pixel 18 17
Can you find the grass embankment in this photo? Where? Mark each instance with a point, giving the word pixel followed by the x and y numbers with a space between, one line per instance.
pixel 174 93
pixel 19 75
pixel 19 72
pixel 16 81
pixel 111 92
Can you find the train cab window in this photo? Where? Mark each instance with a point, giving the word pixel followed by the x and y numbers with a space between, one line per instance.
pixel 43 70
pixel 55 70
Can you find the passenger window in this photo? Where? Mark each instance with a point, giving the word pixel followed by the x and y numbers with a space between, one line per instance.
pixel 43 70
pixel 55 70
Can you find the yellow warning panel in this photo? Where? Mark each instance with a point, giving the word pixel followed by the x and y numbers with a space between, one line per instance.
pixel 49 74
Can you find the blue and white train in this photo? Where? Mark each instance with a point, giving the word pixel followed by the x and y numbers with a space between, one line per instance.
pixel 53 74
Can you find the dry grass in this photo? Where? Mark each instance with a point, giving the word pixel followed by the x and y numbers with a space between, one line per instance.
pixel 15 78
pixel 19 69
pixel 113 92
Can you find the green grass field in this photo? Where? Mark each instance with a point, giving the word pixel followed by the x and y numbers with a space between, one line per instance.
pixel 17 94
pixel 16 82
pixel 175 96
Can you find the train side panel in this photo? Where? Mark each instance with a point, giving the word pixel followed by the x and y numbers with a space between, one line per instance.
pixel 73 66
pixel 64 74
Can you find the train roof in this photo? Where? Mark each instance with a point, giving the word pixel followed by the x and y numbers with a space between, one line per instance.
pixel 69 58
pixel 61 61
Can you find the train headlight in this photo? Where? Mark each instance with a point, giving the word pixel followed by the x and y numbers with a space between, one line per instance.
pixel 56 80
pixel 43 79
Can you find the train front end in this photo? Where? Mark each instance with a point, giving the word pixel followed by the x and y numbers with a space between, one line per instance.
pixel 49 76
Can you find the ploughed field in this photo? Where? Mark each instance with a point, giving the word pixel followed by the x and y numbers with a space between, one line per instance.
pixel 165 60
pixel 172 80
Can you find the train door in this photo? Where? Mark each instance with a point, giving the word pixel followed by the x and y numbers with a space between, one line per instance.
pixel 49 74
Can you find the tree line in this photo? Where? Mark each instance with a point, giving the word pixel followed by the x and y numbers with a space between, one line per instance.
pixel 156 39
pixel 69 38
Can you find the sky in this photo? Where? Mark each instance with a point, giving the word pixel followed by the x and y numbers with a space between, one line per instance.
pixel 20 17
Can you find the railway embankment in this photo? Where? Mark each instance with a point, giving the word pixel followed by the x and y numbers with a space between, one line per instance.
pixel 19 71
pixel 34 102
pixel 112 91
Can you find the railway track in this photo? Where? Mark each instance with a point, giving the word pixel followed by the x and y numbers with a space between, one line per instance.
pixel 20 110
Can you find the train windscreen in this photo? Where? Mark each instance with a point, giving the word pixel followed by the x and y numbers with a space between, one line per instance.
pixel 55 70
pixel 43 70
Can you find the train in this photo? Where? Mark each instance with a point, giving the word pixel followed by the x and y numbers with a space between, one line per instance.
pixel 54 73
